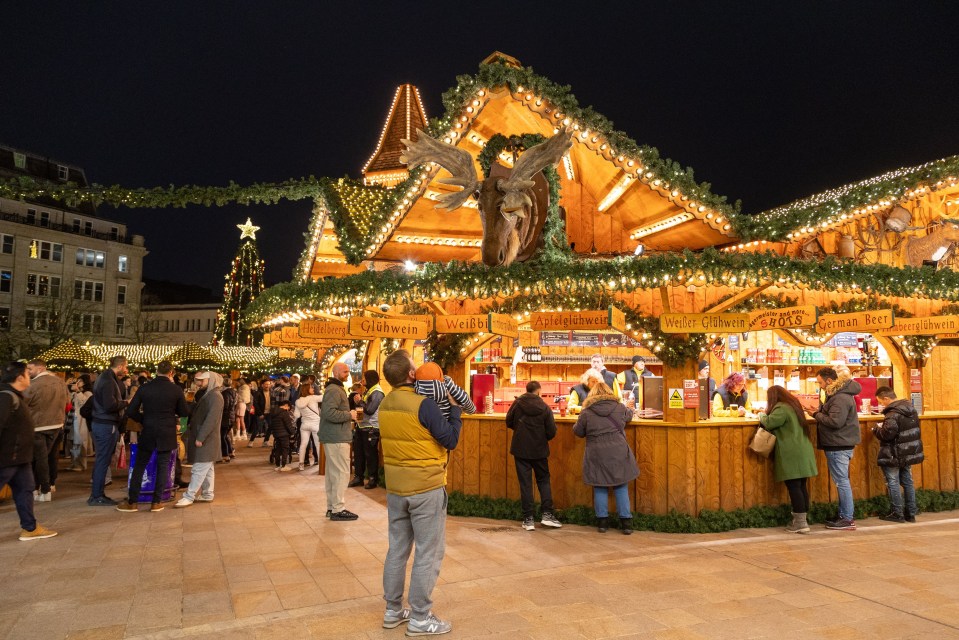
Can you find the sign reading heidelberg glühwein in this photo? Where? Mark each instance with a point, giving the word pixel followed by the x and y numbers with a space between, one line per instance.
pixel 388 328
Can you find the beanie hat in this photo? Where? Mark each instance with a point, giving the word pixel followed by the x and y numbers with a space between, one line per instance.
pixel 638 359
pixel 429 371
pixel 703 364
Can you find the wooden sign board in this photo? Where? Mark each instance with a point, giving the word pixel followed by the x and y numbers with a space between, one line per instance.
pixel 934 325
pixel 275 339
pixel 318 330
pixel 611 318
pixel 388 328
pixel 863 321
pixel 786 318
pixel 500 324
pixel 704 322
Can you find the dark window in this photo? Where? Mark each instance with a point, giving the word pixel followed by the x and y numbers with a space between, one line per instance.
pixel 6 281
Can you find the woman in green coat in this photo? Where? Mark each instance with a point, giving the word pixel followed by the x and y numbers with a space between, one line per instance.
pixel 795 460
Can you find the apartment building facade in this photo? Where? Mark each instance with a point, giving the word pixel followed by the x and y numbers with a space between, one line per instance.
pixel 65 272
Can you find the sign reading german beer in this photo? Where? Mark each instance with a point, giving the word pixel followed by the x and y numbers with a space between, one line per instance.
pixel 318 330
pixel 611 318
pixel 704 322
pixel 864 321
pixel 786 318
pixel 499 324
pixel 923 326
pixel 388 328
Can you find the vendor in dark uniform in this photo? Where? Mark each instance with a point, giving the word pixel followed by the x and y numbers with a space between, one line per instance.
pixel 732 391
pixel 704 374
pixel 631 379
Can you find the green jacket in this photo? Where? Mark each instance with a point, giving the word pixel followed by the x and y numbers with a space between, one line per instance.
pixel 794 455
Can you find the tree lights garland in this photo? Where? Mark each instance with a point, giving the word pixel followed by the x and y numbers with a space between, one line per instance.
pixel 818 212
pixel 243 284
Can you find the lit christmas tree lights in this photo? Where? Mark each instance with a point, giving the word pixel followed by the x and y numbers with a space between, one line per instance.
pixel 243 284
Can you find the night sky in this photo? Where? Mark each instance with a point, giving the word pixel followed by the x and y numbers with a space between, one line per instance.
pixel 767 101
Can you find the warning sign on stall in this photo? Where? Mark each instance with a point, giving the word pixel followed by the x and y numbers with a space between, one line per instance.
pixel 675 398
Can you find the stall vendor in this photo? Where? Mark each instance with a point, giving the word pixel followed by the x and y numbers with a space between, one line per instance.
pixel 598 364
pixel 632 379
pixel 731 392
pixel 577 395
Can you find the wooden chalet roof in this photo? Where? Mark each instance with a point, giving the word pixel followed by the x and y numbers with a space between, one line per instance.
pixel 616 193
pixel 406 117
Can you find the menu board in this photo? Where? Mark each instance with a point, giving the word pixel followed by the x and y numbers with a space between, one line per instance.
pixel 554 338
pixel 582 339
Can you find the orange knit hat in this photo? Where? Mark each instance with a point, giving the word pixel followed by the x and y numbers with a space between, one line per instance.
pixel 429 371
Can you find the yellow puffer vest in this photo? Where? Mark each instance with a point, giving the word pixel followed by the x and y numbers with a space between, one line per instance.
pixel 413 460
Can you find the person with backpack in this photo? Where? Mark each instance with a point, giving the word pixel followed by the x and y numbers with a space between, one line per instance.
pixel 16 448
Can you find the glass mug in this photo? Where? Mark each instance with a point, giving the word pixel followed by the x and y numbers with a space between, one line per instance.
pixel 734 408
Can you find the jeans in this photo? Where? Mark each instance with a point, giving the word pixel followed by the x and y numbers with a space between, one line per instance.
pixel 20 479
pixel 201 481
pixel 525 469
pixel 53 458
pixel 43 443
pixel 896 477
pixel 337 474
pixel 601 501
pixel 419 519
pixel 105 441
pixel 161 476
pixel 838 462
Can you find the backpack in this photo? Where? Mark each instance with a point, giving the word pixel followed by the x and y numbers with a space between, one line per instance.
pixel 14 398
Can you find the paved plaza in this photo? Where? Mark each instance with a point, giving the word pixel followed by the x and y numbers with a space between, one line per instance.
pixel 262 561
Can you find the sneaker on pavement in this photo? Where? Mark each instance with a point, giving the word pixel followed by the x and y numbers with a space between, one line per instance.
pixel 202 499
pixel 892 517
pixel 286 468
pixel 910 518
pixel 393 619
pixel 127 507
pixel 183 502
pixel 431 626
pixel 528 523
pixel 300 467
pixel 156 506
pixel 343 515
pixel 45 497
pixel 843 524
pixel 355 482
pixel 102 501
pixel 549 520
pixel 39 532
pixel 329 512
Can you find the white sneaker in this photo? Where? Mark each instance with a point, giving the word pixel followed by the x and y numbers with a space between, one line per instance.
pixel 45 497
pixel 300 467
pixel 286 468
pixel 431 626
pixel 549 520
pixel 183 502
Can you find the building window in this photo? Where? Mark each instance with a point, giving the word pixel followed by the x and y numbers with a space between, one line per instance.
pixel 44 218
pixel 88 228
pixel 19 160
pixel 90 258
pixel 76 225
pixel 89 290
pixel 31 216
pixel 121 294
pixel 114 233
pixel 119 327
pixel 6 281
pixel 40 320
pixel 6 244
pixel 4 318
pixel 88 322
pixel 122 264
pixel 62 172
pixel 44 250
pixel 208 324
pixel 43 285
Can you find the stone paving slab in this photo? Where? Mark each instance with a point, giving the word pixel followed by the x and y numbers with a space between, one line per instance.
pixel 262 561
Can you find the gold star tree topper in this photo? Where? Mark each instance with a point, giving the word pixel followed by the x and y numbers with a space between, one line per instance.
pixel 248 230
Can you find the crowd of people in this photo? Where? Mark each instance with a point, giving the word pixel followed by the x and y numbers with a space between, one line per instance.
pixel 197 423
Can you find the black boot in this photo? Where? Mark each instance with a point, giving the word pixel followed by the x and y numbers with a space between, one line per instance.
pixel 626 524
pixel 602 524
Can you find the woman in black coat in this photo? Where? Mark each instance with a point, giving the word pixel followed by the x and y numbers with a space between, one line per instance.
pixel 608 462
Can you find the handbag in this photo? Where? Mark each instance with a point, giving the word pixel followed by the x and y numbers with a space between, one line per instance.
pixel 763 442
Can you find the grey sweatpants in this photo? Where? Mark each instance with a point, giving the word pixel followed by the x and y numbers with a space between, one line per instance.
pixel 421 519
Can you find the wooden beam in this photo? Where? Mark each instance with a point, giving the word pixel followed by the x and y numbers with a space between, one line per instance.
pixel 746 294
pixel 436 307
pixel 664 294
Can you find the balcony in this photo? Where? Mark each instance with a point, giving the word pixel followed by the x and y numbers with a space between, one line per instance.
pixel 99 235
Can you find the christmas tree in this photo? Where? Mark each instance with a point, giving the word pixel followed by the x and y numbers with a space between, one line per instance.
pixel 243 284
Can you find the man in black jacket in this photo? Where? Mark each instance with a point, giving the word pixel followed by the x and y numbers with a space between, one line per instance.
pixel 533 427
pixel 157 406
pixel 108 407
pixel 900 447
pixel 16 448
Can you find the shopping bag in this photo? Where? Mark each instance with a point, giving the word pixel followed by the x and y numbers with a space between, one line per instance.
pixel 763 442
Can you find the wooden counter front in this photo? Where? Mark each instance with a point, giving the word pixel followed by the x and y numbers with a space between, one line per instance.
pixel 690 466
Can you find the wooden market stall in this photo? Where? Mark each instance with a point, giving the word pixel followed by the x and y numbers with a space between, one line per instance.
pixel 618 251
